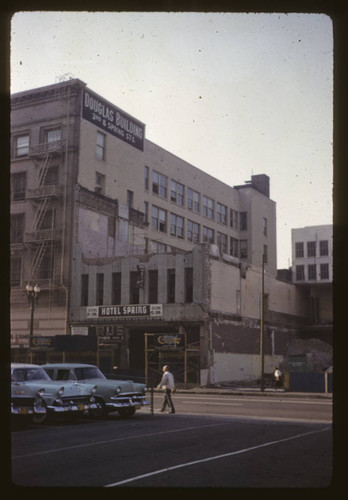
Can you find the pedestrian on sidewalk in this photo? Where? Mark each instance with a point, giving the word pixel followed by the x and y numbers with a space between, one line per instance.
pixel 167 383
pixel 277 378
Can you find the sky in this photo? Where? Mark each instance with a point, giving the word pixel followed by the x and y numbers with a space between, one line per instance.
pixel 234 94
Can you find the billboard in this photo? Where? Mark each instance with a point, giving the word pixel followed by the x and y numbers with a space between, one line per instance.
pixel 113 120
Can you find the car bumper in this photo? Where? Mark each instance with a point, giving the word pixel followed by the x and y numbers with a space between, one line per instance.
pixel 127 402
pixel 80 407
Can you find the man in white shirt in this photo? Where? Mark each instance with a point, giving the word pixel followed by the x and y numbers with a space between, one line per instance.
pixel 167 383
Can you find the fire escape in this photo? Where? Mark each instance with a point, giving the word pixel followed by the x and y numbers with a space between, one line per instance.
pixel 44 237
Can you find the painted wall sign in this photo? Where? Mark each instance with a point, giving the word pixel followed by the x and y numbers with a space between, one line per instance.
pixel 113 120
pixel 127 311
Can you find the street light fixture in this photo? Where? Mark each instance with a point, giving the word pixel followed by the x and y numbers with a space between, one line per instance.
pixel 32 293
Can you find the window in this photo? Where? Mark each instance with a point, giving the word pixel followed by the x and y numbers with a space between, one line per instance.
pixel 146 211
pixel 222 242
pixel 299 251
pixel 146 178
pixel 171 286
pixel 22 145
pixel 46 268
pixel 130 198
pixel 243 221
pixel 153 286
pixel 17 228
pixel 312 272
pixel 133 287
pixel 48 220
pixel 84 290
pixel 208 235
pixel 100 289
pixel 208 207
pixel 15 271
pixel 18 185
pixel 264 226
pixel 99 183
pixel 159 184
pixel 193 231
pixel 177 192
pixel 157 247
pixel 234 247
pixel 52 176
pixel 234 219
pixel 324 247
pixel 100 151
pixel 243 249
pixel 188 284
pixel 176 226
pixel 116 288
pixel 311 248
pixel 193 200
pixel 300 273
pixel 159 219
pixel 324 271
pixel 221 213
pixel 53 138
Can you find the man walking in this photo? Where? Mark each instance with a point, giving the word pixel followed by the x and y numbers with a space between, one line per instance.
pixel 167 383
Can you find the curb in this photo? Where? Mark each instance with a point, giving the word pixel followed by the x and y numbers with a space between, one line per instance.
pixel 254 392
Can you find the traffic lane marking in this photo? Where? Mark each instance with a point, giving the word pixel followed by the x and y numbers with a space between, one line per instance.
pixel 215 457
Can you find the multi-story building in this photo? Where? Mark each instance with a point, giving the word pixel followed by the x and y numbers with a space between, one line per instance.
pixel 97 210
pixel 312 270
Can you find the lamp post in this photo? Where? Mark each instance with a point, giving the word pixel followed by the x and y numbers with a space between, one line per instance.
pixel 262 382
pixel 32 293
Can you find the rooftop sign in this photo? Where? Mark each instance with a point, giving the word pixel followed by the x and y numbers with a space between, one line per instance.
pixel 113 120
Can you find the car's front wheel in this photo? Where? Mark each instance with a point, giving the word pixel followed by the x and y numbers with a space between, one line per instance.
pixel 126 412
pixel 40 417
pixel 98 412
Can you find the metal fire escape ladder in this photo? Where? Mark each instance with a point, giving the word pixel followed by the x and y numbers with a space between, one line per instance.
pixel 39 217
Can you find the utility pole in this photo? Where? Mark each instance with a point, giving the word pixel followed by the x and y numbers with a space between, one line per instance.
pixel 262 323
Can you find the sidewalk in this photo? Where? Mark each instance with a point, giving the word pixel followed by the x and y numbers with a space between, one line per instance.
pixel 252 391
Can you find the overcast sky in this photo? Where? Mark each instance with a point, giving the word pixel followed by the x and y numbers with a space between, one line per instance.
pixel 233 94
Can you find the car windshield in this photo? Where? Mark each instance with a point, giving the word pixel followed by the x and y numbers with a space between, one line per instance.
pixel 88 372
pixel 28 374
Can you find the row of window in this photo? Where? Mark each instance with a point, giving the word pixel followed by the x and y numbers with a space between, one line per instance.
pixel 134 282
pixel 311 247
pixel 45 272
pixel 49 137
pixel 312 272
pixel 19 182
pixel 193 200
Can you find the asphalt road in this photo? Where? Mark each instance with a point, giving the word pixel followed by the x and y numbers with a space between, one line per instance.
pixel 212 441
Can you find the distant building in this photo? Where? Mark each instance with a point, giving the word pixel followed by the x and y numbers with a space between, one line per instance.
pixel 312 270
pixel 128 241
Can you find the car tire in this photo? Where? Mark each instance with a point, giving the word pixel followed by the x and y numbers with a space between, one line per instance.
pixel 98 412
pixel 126 412
pixel 40 418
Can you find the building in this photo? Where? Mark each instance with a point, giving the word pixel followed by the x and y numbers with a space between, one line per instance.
pixel 312 271
pixel 126 240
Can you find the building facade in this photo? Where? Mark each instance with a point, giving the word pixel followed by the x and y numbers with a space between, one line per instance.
pixel 101 217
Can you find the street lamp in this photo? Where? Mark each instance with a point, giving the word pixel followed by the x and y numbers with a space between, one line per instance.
pixel 32 293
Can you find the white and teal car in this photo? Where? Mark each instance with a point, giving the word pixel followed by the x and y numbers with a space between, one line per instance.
pixel 30 381
pixel 122 396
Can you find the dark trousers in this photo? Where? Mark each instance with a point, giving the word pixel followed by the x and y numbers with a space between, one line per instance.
pixel 167 400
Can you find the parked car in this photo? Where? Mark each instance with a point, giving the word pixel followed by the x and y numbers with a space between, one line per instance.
pixel 28 406
pixel 31 381
pixel 123 396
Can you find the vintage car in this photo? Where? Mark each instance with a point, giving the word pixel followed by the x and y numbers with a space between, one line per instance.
pixel 31 381
pixel 28 406
pixel 123 396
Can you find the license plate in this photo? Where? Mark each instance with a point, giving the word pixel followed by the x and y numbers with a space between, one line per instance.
pixel 23 411
pixel 137 407
pixel 80 407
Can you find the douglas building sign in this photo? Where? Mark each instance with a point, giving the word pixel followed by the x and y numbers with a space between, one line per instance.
pixel 113 120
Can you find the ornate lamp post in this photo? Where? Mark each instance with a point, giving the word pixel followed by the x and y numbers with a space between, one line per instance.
pixel 32 293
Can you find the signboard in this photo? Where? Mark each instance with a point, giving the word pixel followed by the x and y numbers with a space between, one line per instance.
pixel 127 311
pixel 169 341
pixel 113 120
pixel 43 342
pixel 79 330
